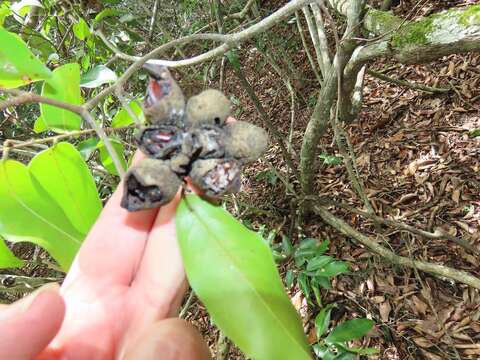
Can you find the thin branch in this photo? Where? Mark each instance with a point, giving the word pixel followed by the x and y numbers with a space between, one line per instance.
pixel 305 47
pixel 153 19
pixel 266 120
pixel 312 29
pixel 230 41
pixel 8 145
pixel 322 37
pixel 126 105
pixel 437 235
pixel 407 84
pixel 17 283
pixel 373 245
pixel 22 97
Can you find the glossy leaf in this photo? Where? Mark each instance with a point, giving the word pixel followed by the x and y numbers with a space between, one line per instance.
pixel 81 30
pixel 87 147
pixel 323 352
pixel 318 262
pixel 357 350
pixel 21 8
pixel 18 66
pixel 122 118
pixel 39 125
pixel 232 271
pixel 350 330
pixel 7 259
pixel 322 321
pixel 98 76
pixel 233 59
pixel 65 176
pixel 28 213
pixel 333 268
pixel 4 12
pixel 107 160
pixel 64 86
pixel 107 13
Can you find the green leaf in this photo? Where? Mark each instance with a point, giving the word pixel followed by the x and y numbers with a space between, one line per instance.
pixel 87 147
pixel 18 66
pixel 81 30
pixel 122 118
pixel 322 321
pixel 323 352
pixel 350 330
pixel 4 12
pixel 232 271
pixel 28 213
pixel 323 247
pixel 474 133
pixel 233 59
pixel 64 86
pixel 323 282
pixel 65 176
pixel 334 268
pixel 304 285
pixel 287 246
pixel 21 8
pixel 357 350
pixel 39 125
pixel 7 259
pixel 318 262
pixel 289 278
pixel 107 13
pixel 107 160
pixel 98 76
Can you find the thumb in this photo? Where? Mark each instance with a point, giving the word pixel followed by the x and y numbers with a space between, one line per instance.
pixel 28 325
pixel 169 339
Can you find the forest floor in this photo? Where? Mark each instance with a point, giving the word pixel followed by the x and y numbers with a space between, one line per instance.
pixel 418 164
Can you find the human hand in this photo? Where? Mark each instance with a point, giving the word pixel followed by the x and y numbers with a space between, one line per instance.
pixel 117 301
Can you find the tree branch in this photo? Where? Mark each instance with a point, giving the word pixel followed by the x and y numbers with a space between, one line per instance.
pixel 373 245
pixel 22 97
pixel 407 83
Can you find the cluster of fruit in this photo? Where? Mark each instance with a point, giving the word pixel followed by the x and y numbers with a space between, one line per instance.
pixel 191 139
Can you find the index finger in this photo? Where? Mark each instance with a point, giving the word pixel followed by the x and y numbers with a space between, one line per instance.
pixel 112 250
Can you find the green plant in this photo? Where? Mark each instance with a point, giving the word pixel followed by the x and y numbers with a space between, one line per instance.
pixel 334 345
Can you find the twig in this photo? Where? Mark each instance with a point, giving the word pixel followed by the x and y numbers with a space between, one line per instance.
pixel 312 29
pixel 427 295
pixel 266 120
pixel 223 345
pixel 322 37
pixel 56 138
pixel 22 97
pixel 18 283
pixel 305 47
pixel 434 269
pixel 126 105
pixel 437 235
pixel 185 307
pixel 407 83
pixel 339 134
pixel 153 19
pixel 230 41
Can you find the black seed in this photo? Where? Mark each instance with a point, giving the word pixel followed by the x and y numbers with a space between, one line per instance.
pixel 150 184
pixel 160 142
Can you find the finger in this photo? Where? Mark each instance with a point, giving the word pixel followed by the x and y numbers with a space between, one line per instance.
pixel 112 250
pixel 170 339
pixel 160 282
pixel 27 326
